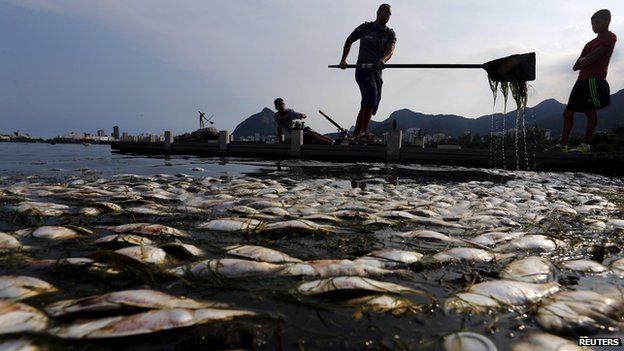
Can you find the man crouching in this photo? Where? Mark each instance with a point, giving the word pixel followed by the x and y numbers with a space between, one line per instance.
pixel 284 118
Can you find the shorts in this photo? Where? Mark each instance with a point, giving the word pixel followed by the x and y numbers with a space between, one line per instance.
pixel 370 82
pixel 589 94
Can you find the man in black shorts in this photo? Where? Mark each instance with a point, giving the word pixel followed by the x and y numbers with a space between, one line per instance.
pixel 591 91
pixel 376 47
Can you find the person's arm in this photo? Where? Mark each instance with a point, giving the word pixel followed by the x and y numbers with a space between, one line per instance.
pixel 352 38
pixel 589 59
pixel 389 49
pixel 345 51
pixel 388 54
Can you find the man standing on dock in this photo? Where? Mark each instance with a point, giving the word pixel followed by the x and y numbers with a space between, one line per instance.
pixel 376 47
pixel 591 91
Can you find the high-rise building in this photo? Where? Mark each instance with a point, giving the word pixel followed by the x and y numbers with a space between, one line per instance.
pixel 124 137
pixel 116 132
pixel 101 133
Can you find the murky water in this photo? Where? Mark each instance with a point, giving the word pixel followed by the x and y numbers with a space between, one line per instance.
pixel 358 208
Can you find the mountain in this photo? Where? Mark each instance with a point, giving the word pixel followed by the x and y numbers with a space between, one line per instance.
pixel 261 123
pixel 547 113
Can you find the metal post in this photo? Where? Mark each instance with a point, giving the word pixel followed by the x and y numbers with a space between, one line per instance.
pixel 296 141
pixel 168 140
pixel 393 146
pixel 224 140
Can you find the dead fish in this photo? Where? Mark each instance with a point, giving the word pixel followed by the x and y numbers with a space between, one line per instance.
pixel 531 243
pixel 181 250
pixel 468 341
pixel 616 223
pixel 49 232
pixel 228 267
pixel 123 239
pixel 89 211
pixel 430 235
pixel 331 268
pixel 494 238
pixel 118 300
pixel 144 253
pixel 388 258
pixel 8 242
pixel 295 224
pixel 585 266
pixel 352 283
pixel 437 222
pixel 22 287
pixel 149 229
pixel 108 206
pixel 230 225
pixel 275 211
pixel 245 210
pixel 396 214
pixel 618 265
pixel 499 293
pixel 151 209
pixel 397 305
pixel 545 342
pixel 47 209
pixel 18 345
pixel 16 317
pixel 259 253
pixel 464 254
pixel 145 323
pixel 569 311
pixel 531 270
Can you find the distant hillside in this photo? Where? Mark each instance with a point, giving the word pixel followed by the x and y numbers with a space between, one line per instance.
pixel 261 123
pixel 547 113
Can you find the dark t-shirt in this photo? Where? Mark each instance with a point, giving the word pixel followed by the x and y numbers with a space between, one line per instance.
pixel 599 68
pixel 286 120
pixel 373 41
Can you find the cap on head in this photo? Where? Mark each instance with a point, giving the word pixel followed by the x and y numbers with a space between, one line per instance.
pixel 603 14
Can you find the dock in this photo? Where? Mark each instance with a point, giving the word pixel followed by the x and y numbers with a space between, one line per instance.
pixel 611 163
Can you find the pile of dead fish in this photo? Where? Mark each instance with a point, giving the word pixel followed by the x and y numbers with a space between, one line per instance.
pixel 535 232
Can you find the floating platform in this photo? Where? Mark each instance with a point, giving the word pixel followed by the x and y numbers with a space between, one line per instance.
pixel 597 162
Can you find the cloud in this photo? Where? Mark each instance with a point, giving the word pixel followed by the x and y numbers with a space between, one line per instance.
pixel 257 50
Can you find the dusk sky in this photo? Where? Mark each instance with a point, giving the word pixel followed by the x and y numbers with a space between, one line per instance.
pixel 149 65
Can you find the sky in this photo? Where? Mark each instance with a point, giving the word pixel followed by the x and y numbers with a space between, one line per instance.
pixel 150 65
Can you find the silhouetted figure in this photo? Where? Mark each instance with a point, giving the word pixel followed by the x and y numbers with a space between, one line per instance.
pixel 376 47
pixel 201 119
pixel 285 119
pixel 591 91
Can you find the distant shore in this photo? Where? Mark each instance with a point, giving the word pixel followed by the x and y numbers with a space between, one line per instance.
pixel 54 141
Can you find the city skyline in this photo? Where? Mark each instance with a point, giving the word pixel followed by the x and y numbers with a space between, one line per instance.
pixel 151 66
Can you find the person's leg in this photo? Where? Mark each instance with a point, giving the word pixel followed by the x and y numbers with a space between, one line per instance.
pixel 568 123
pixel 318 138
pixel 592 121
pixel 367 115
pixel 358 123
